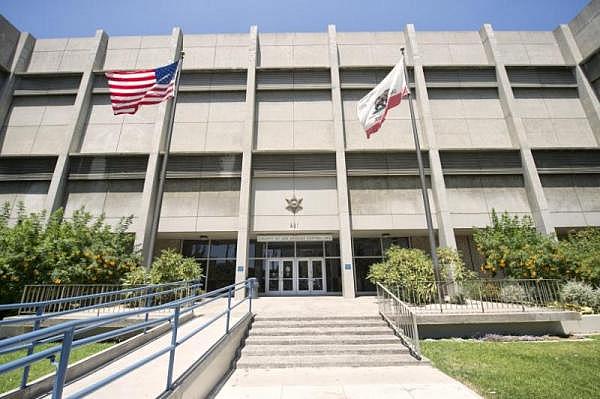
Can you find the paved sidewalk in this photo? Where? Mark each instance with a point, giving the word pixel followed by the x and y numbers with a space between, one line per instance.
pixel 406 382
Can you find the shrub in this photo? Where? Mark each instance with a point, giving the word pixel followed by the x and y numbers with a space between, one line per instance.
pixel 579 294
pixel 170 266
pixel 513 293
pixel 77 250
pixel 579 255
pixel 411 271
pixel 513 246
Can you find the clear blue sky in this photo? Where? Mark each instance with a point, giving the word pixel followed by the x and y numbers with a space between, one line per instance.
pixel 64 18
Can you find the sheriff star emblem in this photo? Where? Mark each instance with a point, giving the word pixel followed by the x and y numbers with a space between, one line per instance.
pixel 294 204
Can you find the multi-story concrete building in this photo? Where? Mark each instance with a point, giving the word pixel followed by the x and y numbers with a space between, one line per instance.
pixel 270 174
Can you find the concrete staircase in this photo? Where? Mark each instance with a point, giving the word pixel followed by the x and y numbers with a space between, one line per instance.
pixel 280 342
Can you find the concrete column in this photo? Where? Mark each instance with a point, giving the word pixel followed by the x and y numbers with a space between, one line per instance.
pixel 438 186
pixel 348 284
pixel 572 55
pixel 154 160
pixel 56 191
pixel 19 64
pixel 533 185
pixel 246 176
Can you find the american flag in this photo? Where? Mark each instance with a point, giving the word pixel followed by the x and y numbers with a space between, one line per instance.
pixel 130 89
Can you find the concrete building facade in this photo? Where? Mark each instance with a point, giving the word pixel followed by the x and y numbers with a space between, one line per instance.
pixel 270 174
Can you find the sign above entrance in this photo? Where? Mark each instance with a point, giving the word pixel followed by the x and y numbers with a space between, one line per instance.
pixel 291 238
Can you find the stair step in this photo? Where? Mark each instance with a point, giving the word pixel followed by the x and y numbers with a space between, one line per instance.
pixel 327 361
pixel 317 323
pixel 320 331
pixel 322 340
pixel 295 350
pixel 259 318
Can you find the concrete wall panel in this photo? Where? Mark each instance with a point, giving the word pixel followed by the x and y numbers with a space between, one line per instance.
pixel 31 194
pixel 37 125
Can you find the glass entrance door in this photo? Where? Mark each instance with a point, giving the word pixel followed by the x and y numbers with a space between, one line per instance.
pixel 311 275
pixel 301 276
pixel 280 276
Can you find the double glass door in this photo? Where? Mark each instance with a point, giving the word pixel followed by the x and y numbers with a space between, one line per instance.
pixel 295 276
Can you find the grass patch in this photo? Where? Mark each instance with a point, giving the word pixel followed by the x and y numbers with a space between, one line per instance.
pixel 503 370
pixel 12 379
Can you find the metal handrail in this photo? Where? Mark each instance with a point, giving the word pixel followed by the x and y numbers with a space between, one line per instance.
pixel 41 306
pixel 69 330
pixel 16 306
pixel 401 318
pixel 481 295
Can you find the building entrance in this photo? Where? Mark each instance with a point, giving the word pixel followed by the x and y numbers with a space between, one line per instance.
pixel 295 276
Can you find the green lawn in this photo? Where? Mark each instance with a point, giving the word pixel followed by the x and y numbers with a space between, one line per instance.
pixel 12 379
pixel 513 370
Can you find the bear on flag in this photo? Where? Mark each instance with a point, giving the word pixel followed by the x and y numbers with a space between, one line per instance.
pixel 373 107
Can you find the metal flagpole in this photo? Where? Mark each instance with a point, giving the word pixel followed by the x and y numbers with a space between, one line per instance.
pixel 432 246
pixel 163 170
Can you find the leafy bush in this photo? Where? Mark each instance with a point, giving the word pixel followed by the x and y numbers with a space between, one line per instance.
pixel 513 293
pixel 78 250
pixel 412 271
pixel 579 255
pixel 579 294
pixel 513 246
pixel 170 266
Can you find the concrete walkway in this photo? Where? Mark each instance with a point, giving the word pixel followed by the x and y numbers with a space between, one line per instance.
pixel 410 382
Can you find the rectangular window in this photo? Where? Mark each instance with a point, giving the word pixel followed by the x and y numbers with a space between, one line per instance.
pixel 223 248
pixel 195 249
pixel 367 247
pixel 362 266
pixel 220 273
pixel 334 275
pixel 280 250
pixel 332 248
pixel 309 249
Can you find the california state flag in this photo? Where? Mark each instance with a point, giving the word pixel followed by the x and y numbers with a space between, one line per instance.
pixel 373 107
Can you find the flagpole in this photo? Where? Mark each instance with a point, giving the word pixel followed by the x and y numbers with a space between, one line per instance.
pixel 163 170
pixel 432 246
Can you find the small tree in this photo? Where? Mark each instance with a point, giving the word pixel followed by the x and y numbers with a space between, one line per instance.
pixel 579 255
pixel 512 245
pixel 81 249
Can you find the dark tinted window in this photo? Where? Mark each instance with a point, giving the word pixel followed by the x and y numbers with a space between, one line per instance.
pixel 256 269
pixel 362 270
pixel 257 249
pixel 221 273
pixel 401 242
pixel 334 275
pixel 367 247
pixel 223 248
pixel 309 248
pixel 332 248
pixel 280 250
pixel 195 249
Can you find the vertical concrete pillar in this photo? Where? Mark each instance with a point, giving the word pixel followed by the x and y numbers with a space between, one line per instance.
pixel 438 186
pixel 533 185
pixel 241 272
pixel 154 160
pixel 572 55
pixel 348 284
pixel 56 191
pixel 19 64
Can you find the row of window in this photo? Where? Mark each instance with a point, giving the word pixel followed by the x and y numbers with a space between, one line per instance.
pixel 218 258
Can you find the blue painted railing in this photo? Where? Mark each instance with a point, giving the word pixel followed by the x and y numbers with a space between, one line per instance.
pixel 66 334
pixel 148 296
